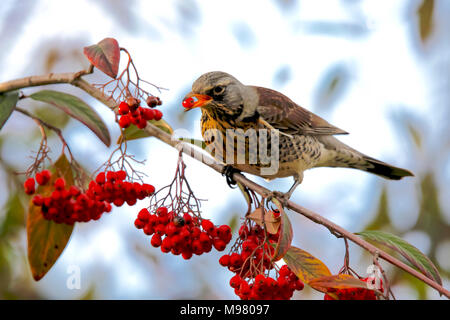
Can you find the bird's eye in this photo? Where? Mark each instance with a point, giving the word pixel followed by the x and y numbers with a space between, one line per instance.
pixel 218 90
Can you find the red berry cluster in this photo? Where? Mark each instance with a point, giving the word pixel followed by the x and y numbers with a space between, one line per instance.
pixel 186 235
pixel 267 288
pixel 70 205
pixel 132 113
pixel 353 293
pixel 252 262
pixel 255 251
pixel 112 188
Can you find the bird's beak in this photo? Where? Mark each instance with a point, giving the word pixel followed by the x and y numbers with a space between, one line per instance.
pixel 192 101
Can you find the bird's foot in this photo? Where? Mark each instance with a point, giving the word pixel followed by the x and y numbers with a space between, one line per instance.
pixel 228 172
pixel 281 196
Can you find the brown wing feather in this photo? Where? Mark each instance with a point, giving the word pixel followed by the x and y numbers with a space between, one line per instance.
pixel 287 116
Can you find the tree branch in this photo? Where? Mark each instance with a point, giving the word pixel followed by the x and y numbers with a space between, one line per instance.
pixel 75 79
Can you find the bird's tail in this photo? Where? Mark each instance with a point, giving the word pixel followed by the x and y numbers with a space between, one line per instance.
pixel 341 155
pixel 385 170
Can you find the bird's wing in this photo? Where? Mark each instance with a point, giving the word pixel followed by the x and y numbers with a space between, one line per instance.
pixel 285 115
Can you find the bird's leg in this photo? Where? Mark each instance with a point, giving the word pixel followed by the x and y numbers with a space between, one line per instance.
pixel 228 172
pixel 284 197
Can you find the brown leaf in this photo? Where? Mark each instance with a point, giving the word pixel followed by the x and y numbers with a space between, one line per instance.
pixel 425 13
pixel 305 266
pixel 47 239
pixel 339 281
pixel 272 223
pixel 105 56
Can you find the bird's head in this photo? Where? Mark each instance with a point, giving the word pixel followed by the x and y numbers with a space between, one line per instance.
pixel 222 91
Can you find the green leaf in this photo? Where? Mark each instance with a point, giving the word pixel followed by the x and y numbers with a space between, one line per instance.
pixel 133 132
pixel 286 233
pixel 305 266
pixel 47 239
pixel 8 102
pixel 14 215
pixel 408 251
pixel 105 56
pixel 76 108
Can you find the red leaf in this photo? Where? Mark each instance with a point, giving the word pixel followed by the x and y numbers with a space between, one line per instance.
pixel 105 56
pixel 286 234
pixel 339 281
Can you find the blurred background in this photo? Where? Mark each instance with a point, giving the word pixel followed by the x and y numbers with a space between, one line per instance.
pixel 377 69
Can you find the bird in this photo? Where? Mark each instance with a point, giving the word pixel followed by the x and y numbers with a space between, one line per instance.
pixel 304 139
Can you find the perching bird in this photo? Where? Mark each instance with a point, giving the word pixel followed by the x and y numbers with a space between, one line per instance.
pixel 305 139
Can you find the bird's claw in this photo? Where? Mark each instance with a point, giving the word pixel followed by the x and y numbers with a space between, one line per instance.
pixel 228 172
pixel 280 196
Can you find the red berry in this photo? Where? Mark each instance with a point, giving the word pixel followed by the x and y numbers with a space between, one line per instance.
pixel 148 188
pixel 74 191
pixel 148 229
pixel 284 271
pixel 235 281
pixel 139 223
pixel 219 244
pixel 29 186
pixel 157 115
pixel 121 175
pixel 143 215
pixel 124 121
pixel 224 260
pixel 166 245
pixel 101 178
pixel 142 123
pixel 148 114
pixel 46 174
pixel 38 200
pixel 188 103
pixel 156 240
pixel 124 108
pixel 60 184
pixel 208 226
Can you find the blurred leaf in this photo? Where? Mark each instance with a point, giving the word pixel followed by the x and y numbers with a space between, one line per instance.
pixel 76 108
pixel 286 233
pixel 415 134
pixel 282 75
pixel 233 223
pixel 339 281
pixel 425 13
pixel 243 34
pixel 431 216
pixel 408 251
pixel 133 132
pixel 8 102
pixel 14 216
pixel 382 216
pixel 105 56
pixel 47 239
pixel 305 266
pixel 331 86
